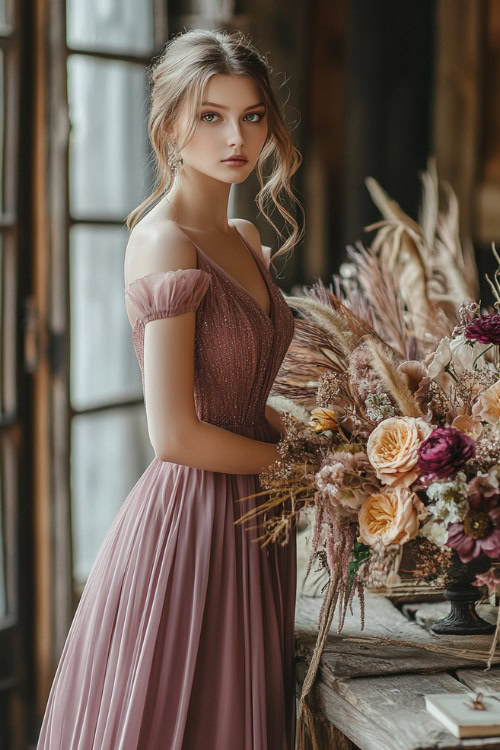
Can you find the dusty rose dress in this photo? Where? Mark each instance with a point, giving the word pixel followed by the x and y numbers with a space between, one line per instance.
pixel 184 635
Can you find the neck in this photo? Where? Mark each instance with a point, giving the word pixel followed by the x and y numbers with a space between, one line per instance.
pixel 200 202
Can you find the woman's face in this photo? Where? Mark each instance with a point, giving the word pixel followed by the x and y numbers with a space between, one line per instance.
pixel 232 121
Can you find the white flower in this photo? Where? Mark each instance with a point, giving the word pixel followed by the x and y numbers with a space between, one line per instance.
pixel 449 512
pixel 453 490
pixel 463 354
pixel 450 500
pixel 435 532
pixel 460 353
pixel 440 359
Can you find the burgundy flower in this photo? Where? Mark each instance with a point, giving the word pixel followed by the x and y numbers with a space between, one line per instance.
pixel 444 452
pixel 485 329
pixel 478 533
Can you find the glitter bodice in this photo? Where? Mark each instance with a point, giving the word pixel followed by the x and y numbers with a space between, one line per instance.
pixel 238 346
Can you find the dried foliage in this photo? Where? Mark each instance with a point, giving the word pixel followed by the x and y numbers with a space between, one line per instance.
pixel 398 372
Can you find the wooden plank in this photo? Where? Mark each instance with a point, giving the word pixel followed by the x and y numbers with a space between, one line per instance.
pixel 479 679
pixel 343 658
pixel 347 719
pixel 383 708
pixel 396 705
pixel 389 713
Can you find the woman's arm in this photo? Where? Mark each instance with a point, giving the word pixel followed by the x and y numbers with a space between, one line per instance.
pixel 274 417
pixel 175 431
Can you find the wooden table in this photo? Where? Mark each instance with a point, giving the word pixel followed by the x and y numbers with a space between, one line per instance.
pixel 370 696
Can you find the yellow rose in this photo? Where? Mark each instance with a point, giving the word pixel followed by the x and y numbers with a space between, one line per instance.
pixel 487 406
pixel 392 449
pixel 392 517
pixel 323 419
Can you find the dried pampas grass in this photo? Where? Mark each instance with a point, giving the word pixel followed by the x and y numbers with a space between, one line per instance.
pixel 329 320
pixel 432 270
pixel 394 381
pixel 283 404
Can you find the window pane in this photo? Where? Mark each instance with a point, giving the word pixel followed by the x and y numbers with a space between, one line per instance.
pixel 110 25
pixel 110 450
pixel 108 141
pixel 103 363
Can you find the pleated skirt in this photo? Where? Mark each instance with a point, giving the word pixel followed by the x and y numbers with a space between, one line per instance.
pixel 184 634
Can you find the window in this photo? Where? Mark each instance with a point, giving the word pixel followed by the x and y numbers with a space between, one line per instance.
pixel 91 169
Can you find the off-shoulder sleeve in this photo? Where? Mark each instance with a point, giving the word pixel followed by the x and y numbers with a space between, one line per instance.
pixel 163 294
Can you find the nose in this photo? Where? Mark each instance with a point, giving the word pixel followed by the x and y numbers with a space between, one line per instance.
pixel 235 136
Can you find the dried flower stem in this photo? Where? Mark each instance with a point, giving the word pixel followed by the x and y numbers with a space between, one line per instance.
pixel 395 382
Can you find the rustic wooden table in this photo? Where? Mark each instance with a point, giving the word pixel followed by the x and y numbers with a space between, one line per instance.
pixel 370 695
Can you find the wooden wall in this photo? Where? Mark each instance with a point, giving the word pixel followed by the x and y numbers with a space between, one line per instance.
pixel 488 202
pixel 467 118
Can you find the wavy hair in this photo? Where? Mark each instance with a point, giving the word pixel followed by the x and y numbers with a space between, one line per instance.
pixel 179 75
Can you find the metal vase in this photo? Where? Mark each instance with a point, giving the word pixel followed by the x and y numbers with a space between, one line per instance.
pixel 462 619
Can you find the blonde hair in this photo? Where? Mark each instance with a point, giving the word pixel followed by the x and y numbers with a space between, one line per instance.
pixel 184 67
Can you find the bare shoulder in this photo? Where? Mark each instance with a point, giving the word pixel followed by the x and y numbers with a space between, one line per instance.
pixel 252 236
pixel 249 232
pixel 158 245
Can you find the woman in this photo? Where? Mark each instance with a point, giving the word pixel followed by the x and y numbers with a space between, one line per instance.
pixel 184 635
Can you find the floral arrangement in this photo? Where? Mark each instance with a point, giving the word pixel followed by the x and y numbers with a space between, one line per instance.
pixel 390 400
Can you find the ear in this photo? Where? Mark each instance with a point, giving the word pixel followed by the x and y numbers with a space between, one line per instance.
pixel 170 134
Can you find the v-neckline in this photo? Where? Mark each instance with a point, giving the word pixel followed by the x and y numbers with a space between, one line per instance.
pixel 263 271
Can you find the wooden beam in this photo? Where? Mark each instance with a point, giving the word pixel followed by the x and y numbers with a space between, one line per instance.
pixel 42 495
pixel 488 194
pixel 457 101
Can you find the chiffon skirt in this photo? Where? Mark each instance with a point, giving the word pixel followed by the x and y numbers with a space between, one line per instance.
pixel 184 635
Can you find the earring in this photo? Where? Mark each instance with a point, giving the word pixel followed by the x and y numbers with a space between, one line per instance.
pixel 174 158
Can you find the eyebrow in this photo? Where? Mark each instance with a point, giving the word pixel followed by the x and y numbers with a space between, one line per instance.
pixel 221 106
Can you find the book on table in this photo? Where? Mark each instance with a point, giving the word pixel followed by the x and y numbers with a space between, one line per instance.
pixel 457 712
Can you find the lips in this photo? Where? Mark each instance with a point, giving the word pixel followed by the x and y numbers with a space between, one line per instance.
pixel 236 158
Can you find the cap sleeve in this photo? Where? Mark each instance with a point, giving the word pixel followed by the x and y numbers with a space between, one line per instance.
pixel 163 294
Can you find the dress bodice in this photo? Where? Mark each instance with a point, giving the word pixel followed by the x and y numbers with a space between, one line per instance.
pixel 238 347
